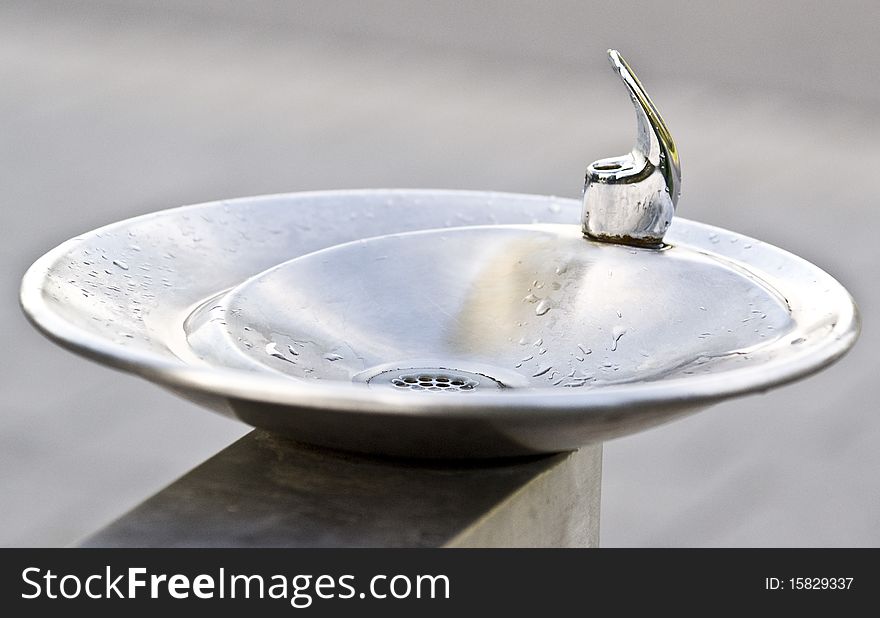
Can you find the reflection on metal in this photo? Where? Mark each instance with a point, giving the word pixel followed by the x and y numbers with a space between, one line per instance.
pixel 631 199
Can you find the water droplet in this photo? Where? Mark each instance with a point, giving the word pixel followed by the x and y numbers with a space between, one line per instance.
pixel 798 341
pixel 120 264
pixel 537 284
pixel 531 298
pixel 543 307
pixel 333 357
pixel 272 351
pixel 616 334
pixel 292 351
pixel 538 342
pixel 542 371
pixel 561 269
pixel 584 350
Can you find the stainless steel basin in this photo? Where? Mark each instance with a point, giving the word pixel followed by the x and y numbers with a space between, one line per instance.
pixel 210 302
pixel 500 307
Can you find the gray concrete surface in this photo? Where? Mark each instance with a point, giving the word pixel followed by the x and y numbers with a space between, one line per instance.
pixel 267 491
pixel 112 109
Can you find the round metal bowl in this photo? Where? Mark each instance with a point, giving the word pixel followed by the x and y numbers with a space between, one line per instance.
pixel 362 346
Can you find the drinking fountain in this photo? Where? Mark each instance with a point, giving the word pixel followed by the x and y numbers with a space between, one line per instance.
pixel 448 324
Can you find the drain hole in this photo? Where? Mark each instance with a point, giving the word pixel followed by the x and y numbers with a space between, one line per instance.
pixel 435 382
pixel 437 379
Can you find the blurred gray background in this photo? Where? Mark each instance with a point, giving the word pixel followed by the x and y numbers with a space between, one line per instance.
pixel 113 109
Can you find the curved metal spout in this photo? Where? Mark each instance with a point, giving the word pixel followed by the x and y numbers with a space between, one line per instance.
pixel 631 199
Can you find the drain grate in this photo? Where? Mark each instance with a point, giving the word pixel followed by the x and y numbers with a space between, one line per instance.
pixel 437 380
